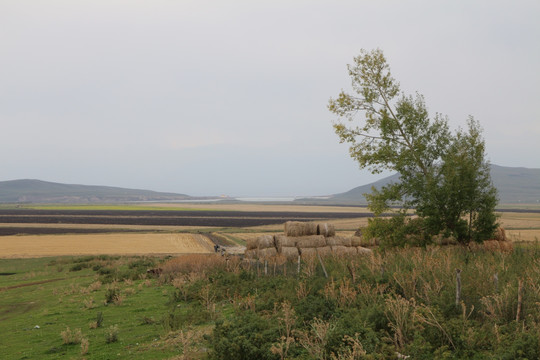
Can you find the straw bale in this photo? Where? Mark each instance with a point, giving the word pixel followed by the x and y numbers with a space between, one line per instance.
pixel 267 253
pixel 341 250
pixel 334 241
pixel 284 241
pixel 314 241
pixel 346 241
pixel 266 241
pixel 251 254
pixel 356 241
pixel 324 251
pixel 500 234
pixel 308 252
pixel 326 230
pixel 252 243
pixel 363 251
pixel 298 228
pixel 291 253
pixel 338 241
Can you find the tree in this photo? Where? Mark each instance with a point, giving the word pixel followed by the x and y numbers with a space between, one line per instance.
pixel 443 176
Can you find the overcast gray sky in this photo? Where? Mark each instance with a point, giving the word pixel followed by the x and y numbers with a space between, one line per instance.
pixel 229 97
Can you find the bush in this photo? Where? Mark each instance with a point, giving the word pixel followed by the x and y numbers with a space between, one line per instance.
pixel 244 337
pixel 71 337
pixel 112 334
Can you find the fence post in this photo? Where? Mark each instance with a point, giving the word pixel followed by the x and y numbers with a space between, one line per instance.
pixel 298 271
pixel 265 267
pixel 458 286
pixel 322 264
pixel 520 299
pixel 496 282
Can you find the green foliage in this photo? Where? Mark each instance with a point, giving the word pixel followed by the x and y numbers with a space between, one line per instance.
pixel 245 336
pixel 399 230
pixel 443 176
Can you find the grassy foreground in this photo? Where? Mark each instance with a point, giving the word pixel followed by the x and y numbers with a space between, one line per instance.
pixel 398 302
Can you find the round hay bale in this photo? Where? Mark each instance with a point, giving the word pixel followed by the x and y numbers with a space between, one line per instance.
pixel 252 243
pixel 298 228
pixel 314 241
pixel 340 250
pixel 356 241
pixel 334 241
pixel 324 251
pixel 251 254
pixel 266 241
pixel 326 230
pixel 284 241
pixel 500 234
pixel 290 253
pixel 308 252
pixel 267 253
pixel 363 251
pixel 346 241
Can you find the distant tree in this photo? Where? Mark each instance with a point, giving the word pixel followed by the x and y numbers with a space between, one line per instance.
pixel 443 176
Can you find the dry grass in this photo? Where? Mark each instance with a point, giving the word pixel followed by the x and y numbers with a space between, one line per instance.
pixel 194 263
pixel 121 244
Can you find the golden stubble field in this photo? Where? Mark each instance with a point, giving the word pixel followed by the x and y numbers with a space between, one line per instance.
pixel 110 244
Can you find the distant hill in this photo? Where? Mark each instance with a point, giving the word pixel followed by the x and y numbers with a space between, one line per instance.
pixel 37 191
pixel 515 185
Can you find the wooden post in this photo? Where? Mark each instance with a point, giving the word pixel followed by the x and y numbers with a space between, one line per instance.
pixel 496 282
pixel 322 264
pixel 520 299
pixel 458 286
pixel 265 267
pixel 298 271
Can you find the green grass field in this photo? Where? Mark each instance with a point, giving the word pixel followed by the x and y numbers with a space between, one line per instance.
pixel 41 298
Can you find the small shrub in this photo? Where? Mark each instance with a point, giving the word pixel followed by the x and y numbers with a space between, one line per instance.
pixel 70 337
pixel 111 293
pixel 85 344
pixel 89 303
pixel 112 334
pixel 98 322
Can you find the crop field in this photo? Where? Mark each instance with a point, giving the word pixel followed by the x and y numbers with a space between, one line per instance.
pixel 166 229
pixel 111 244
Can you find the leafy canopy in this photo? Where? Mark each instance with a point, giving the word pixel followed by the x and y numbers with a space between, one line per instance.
pixel 444 176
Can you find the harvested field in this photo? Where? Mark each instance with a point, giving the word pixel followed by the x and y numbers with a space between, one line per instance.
pixel 110 244
pixel 165 218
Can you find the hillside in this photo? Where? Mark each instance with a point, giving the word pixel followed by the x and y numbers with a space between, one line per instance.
pixel 515 185
pixel 37 191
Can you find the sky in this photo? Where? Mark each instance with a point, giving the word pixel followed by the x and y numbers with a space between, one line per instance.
pixel 210 97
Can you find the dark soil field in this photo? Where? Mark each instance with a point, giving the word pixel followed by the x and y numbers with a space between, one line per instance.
pixel 237 219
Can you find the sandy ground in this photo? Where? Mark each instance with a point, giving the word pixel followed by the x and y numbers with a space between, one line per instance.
pixel 110 244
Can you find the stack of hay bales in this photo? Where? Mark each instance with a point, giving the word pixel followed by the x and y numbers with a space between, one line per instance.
pixel 263 247
pixel 305 239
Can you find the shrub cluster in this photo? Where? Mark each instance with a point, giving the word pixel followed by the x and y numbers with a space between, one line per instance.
pixel 400 301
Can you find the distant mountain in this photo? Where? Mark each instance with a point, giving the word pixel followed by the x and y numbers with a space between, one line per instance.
pixel 37 191
pixel 514 184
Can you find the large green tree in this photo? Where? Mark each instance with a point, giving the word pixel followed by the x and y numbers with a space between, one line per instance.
pixel 443 176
